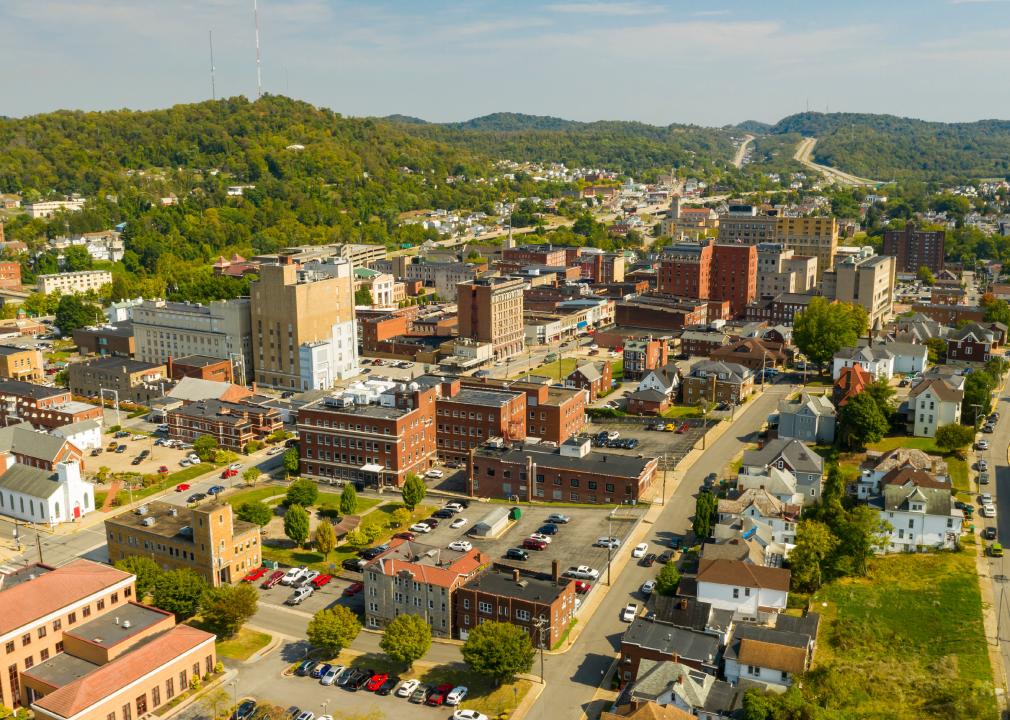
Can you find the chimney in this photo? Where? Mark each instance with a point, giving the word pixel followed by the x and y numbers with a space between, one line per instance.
pixel 169 366
pixel 515 575
pixel 680 679
pixel 683 603
pixel 555 570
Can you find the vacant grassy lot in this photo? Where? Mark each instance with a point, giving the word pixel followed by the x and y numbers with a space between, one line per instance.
pixel 566 365
pixel 918 443
pixel 904 642
pixel 682 411
pixel 243 645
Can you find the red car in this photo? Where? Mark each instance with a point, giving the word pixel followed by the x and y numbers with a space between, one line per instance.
pixel 182 487
pixel 375 682
pixel 683 429
pixel 321 580
pixel 437 696
pixel 534 544
pixel 255 574
pixel 275 577
pixel 163 469
pixel 404 536
pixel 581 586
pixel 228 472
pixel 353 588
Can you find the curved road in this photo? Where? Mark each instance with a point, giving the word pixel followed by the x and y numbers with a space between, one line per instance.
pixel 742 150
pixel 804 154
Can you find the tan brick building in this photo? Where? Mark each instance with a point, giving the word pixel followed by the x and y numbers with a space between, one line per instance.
pixel 21 364
pixel 207 539
pixel 491 310
pixel 135 381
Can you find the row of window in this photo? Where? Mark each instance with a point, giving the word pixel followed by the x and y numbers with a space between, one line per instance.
pixel 42 630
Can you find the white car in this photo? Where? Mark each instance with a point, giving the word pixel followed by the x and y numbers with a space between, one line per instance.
pixel 640 550
pixel 307 577
pixel 542 537
pixel 433 473
pixel 985 499
pixel 648 586
pixel 458 523
pixel 461 545
pixel 407 687
pixel 468 715
pixel 139 437
pixel 608 542
pixel 582 572
pixel 299 594
pixel 629 612
pixel 420 528
pixel 989 511
pixel 292 575
pixel 456 695
pixel 185 462
pixel 276 450
pixel 454 506
pixel 330 675
pixel 235 466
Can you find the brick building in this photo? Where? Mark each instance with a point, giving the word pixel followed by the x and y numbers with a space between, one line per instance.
pixel 643 355
pixel 17 363
pixel 536 255
pixel 661 312
pixel 202 367
pixel 491 310
pixel 595 378
pixel 467 417
pixel 752 353
pixel 913 248
pixel 10 274
pixel 231 424
pixel 552 414
pixel 113 339
pixel 41 406
pixel 133 380
pixel 716 382
pixel 706 271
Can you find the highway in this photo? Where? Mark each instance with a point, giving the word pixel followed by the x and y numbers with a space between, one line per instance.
pixel 741 152
pixel 804 154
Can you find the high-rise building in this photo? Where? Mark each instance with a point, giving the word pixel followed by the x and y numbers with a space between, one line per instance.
pixel 491 310
pixel 744 224
pixel 734 275
pixel 811 236
pixel 913 248
pixel 303 328
pixel 866 281
pixel 711 272
pixel 780 270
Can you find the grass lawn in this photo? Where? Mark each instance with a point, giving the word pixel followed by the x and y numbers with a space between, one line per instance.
pixel 617 369
pixel 906 641
pixel 254 494
pixel 245 643
pixel 682 411
pixel 332 500
pixel 567 364
pixel 903 441
pixel 958 473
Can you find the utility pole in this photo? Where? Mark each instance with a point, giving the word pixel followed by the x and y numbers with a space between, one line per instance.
pixel 38 544
pixel 541 626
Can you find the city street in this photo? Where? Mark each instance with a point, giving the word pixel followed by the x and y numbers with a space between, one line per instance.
pixel 997 457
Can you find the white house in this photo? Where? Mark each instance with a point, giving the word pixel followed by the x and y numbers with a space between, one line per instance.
pixel 751 592
pixel 667 682
pixel 780 483
pixel 45 497
pixel 771 656
pixel 664 379
pixel 909 358
pixel 920 511
pixel 793 456
pixel 86 434
pixel 875 359
pixel 933 403
pixel 877 467
pixel 763 508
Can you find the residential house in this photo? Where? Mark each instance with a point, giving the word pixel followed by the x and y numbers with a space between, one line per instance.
pixel 779 483
pixel 642 355
pixel 717 382
pixel 692 614
pixel 909 358
pixel 932 403
pixel 771 656
pixel 920 511
pixel 752 592
pixel 651 639
pixel 971 343
pixel 596 378
pixel 645 711
pixel 875 359
pixel 38 449
pixel 878 465
pixel 809 418
pixel 751 353
pixel 665 379
pixel 648 402
pixel 702 343
pixel 763 508
pixel 699 694
pixel 851 381
pixel 791 455
pixel 233 425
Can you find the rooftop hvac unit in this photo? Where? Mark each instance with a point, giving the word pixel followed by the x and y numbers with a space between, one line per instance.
pixel 142 510
pixel 147 522
pixel 127 624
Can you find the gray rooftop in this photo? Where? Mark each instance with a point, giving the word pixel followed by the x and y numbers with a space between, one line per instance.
pixel 31 481
pixel 799 456
pixel 670 640
pixel 61 669
pixel 473 396
pixel 112 628
pixel 529 588
pixel 624 466
pixel 170 521
pixel 30 390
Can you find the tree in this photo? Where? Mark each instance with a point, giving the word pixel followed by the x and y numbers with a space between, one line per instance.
pixel 73 313
pixel 326 538
pixel 77 258
pixel 704 512
pixel 826 327
pixel 362 296
pixel 406 639
pixel 348 500
pixel 251 474
pixel 413 491
pixel 146 570
pixel 860 421
pixel 333 629
pixel 356 538
pixel 954 437
pixel 925 275
pixel 226 608
pixel 296 524
pixel 498 651
pixel 814 544
pixel 997 311
pixel 883 394
pixel 205 446
pixel 255 511
pixel 668 579
pixel 302 492
pixel 291 461
pixel 860 536
pixel 400 517
pixel 179 592
pixel 217 702
pixel 936 348
pixel 978 388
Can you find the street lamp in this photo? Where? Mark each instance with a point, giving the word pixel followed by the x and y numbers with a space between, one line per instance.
pixel 234 690
pixel 324 704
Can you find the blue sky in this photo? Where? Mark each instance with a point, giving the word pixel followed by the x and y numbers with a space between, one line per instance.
pixel 659 61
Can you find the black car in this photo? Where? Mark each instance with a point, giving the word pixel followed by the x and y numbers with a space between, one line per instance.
pixel 960 505
pixel 631 443
pixel 430 522
pixel 548 529
pixel 516 554
pixel 196 497
pixel 353 564
pixel 387 687
pixel 665 557
pixel 983 478
pixel 373 552
pixel 444 513
pixel 137 461
pixel 989 533
pixel 462 503
pixel 648 560
pixel 121 449
pixel 144 453
pixel 305 668
pixel 359 682
pixel 245 710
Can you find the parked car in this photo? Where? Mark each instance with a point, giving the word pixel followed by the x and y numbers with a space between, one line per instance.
pixel 983 478
pixel 245 710
pixel 988 511
pixel 420 693
pixel 299 595
pixel 995 550
pixel 215 489
pixel 434 474
pixel 456 695
pixel 542 537
pixel 581 572
pixel 458 523
pixel 375 682
pixel 534 544
pixel 548 529
pixel 665 557
pixel 293 575
pixel 558 519
pixel 649 560
pixel 196 497
pixel 319 670
pixel 353 589
pixel 121 449
pixel 982 445
pixel 608 542
pixel 582 587
pixel 407 688
pixel 437 696
pixel 683 428
pixel 468 715
pixel 640 550
pixel 989 533
pixel 360 681
pixel 516 554
pixel 306 577
pixel 275 577
pixel 985 499
pixel 354 564
pixel 629 612
pixel 182 487
pixel 305 668
pixel 461 545
pixel 320 581
pixel 387 685
pixel 331 674
pixel 346 675
pixel 255 575
pixel 420 528
pixel 647 587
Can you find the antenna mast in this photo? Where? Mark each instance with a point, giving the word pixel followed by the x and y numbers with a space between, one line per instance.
pixel 213 88
pixel 259 76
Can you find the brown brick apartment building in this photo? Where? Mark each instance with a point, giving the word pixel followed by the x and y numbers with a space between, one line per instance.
pixel 515 596
pixel 571 473
pixel 116 339
pixel 375 444
pixel 913 248
pixel 491 310
pixel 18 363
pixel 704 271
pixel 206 539
pixel 716 382
pixel 202 367
pixel 467 417
pixel 644 354
pixel 536 255
pixel 231 424
pixel 10 274
pixel 663 312
pixel 41 406
pixel 552 414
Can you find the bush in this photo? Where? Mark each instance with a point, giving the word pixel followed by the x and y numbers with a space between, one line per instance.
pixel 302 492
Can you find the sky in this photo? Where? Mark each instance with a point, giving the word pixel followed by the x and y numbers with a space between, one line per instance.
pixel 657 61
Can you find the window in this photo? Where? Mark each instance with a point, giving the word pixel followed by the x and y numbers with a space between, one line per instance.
pixel 736 593
pixel 85 611
pixel 155 696
pixel 101 604
pixel 57 624
pixel 42 631
pixel 26 639
pixel 13 676
pixel 485 607
pixel 127 712
pixel 183 682
pixel 72 618
pixel 10 647
pixel 141 705
pixel 59 646
pixel 522 614
pixel 44 655
pixel 466 603
pixel 753 670
pixel 209 664
pixel 29 662
pixel 111 716
pixel 169 689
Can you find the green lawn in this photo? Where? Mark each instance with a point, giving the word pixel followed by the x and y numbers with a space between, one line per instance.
pixel 255 494
pixel 958 473
pixel 332 500
pixel 245 643
pixel 918 443
pixel 904 642
pixel 567 364
pixel 682 411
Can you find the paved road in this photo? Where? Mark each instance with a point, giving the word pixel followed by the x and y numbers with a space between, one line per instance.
pixel 741 152
pixel 998 570
pixel 804 154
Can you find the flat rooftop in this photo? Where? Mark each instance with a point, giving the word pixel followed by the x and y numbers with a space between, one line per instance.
pixel 197 360
pixel 623 466
pixel 117 626
pixel 21 575
pixel 531 589
pixel 472 396
pixel 61 669
pixel 11 349
pixel 177 526
pixel 31 390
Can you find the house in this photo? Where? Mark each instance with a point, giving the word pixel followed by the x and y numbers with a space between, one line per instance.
pixel 596 378
pixel 86 434
pixel 751 353
pixel 878 465
pixel 771 656
pixel 875 359
pixel 779 483
pixel 692 614
pixel 851 381
pixel 809 418
pixel 762 509
pixel 38 449
pixel 920 511
pixel 792 455
pixel 642 355
pixel 747 550
pixel 651 639
pixel 752 592
pixel 909 357
pixel 46 497
pixel 674 684
pixel 971 343
pixel 665 379
pixel 933 403
pixel 716 382
pixel 648 402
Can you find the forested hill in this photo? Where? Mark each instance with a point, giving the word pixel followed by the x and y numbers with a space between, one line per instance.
pixel 632 147
pixel 890 147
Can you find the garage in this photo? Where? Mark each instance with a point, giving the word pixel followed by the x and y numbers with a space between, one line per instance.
pixel 493 523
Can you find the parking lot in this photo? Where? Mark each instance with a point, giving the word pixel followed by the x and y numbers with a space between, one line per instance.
pixel 327 596
pixel 123 462
pixel 652 443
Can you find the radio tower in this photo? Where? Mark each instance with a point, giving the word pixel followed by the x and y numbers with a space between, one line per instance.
pixel 213 88
pixel 259 76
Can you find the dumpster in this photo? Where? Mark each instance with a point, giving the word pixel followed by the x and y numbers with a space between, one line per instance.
pixel 515 513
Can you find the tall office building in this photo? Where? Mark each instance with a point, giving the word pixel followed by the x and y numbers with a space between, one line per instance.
pixel 913 248
pixel 303 330
pixel 780 270
pixel 811 236
pixel 491 310
pixel 866 281
pixel 710 272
